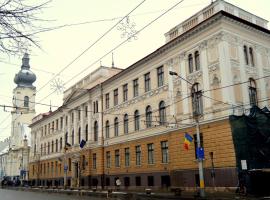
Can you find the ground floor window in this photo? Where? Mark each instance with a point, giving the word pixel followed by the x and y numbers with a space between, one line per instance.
pixel 150 180
pixel 138 180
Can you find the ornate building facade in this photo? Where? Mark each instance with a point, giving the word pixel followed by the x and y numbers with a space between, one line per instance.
pixel 134 120
pixel 15 158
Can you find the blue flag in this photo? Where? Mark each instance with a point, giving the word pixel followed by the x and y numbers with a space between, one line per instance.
pixel 83 142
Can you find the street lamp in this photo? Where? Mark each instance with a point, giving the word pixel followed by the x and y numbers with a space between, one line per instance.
pixel 196 114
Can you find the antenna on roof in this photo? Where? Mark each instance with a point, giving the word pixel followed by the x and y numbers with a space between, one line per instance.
pixel 112 61
pixel 50 106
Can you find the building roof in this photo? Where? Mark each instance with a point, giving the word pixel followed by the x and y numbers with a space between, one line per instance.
pixel 25 77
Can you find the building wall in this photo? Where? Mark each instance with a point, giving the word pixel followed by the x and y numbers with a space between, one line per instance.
pixel 223 76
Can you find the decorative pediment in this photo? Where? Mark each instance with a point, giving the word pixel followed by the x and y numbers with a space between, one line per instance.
pixel 72 96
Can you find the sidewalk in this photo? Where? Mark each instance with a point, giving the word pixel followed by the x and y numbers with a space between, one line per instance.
pixel 137 195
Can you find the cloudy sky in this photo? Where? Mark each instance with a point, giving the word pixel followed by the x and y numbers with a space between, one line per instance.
pixel 85 21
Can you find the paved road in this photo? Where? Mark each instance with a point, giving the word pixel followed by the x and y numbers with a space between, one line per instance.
pixel 25 195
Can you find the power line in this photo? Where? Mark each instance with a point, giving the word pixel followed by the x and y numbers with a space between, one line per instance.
pixel 76 58
pixel 120 44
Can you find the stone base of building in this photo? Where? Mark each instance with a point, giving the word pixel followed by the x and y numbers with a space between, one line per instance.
pixel 217 179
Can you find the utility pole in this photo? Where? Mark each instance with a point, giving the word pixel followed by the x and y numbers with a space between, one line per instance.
pixel 200 160
pixel 197 112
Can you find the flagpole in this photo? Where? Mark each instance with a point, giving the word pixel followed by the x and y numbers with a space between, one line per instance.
pixel 200 161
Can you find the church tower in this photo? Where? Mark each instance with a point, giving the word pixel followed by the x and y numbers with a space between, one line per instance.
pixel 23 102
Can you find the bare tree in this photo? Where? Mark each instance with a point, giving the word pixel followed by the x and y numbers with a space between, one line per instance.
pixel 18 27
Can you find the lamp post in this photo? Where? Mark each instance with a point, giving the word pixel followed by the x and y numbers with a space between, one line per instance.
pixel 196 95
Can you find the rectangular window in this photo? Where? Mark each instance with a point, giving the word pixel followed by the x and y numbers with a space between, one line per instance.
pixel 107 100
pixel 196 142
pixel 150 148
pixel 61 123
pixel 125 92
pixel 72 117
pixel 117 158
pixel 56 125
pixel 115 97
pixel 138 154
pixel 86 111
pixel 108 159
pixel 135 87
pixel 147 82
pixel 160 76
pixel 94 160
pixel 127 157
pixel 56 145
pixel 66 120
pixel 165 151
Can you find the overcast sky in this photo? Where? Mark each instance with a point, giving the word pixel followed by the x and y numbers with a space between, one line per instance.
pixel 94 18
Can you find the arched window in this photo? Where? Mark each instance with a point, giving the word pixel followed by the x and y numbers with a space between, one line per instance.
pixel 86 132
pixel 116 127
pixel 96 131
pixel 79 135
pixel 246 54
pixel 148 112
pixel 197 104
pixel 136 120
pixel 190 63
pixel 107 129
pixel 162 113
pixel 26 101
pixel 252 92
pixel 197 60
pixel 72 137
pixel 126 123
pixel 251 56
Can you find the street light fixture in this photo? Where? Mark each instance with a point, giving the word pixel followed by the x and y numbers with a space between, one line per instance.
pixel 196 115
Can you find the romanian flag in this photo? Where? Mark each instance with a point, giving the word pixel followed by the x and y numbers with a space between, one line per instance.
pixel 187 141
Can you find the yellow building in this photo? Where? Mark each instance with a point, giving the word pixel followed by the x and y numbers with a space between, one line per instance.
pixel 134 120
